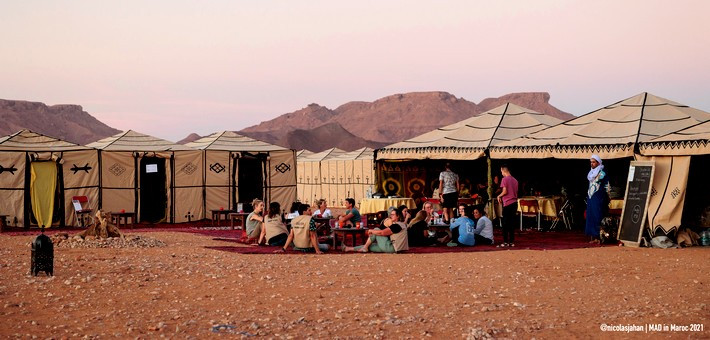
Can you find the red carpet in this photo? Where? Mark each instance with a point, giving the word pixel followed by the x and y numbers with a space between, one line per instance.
pixel 529 239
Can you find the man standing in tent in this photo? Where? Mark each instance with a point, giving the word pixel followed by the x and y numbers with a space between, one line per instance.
pixel 449 191
pixel 597 198
pixel 508 198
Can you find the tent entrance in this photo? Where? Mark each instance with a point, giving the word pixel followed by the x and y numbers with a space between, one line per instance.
pixel 249 180
pixel 153 191
pixel 45 194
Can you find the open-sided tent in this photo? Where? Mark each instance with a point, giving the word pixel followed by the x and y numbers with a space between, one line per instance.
pixel 158 179
pixel 469 138
pixel 314 181
pixel 41 171
pixel 239 169
pixel 620 131
pixel 347 175
pixel 611 131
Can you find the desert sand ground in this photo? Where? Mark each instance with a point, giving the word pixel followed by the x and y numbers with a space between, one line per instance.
pixel 183 290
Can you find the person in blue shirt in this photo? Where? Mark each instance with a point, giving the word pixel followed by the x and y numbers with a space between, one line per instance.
pixel 463 229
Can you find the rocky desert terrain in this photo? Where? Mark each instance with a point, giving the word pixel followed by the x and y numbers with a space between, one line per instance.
pixel 186 290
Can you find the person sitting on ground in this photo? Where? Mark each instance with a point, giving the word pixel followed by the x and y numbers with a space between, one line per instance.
pixel 352 216
pixel 388 240
pixel 405 213
pixel 463 191
pixel 274 230
pixel 293 212
pixel 484 227
pixel 323 211
pixel 303 233
pixel 418 231
pixel 431 214
pixel 462 229
pixel 254 222
pixel 385 223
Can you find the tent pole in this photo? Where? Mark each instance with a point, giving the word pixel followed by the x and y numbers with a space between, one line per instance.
pixel 491 201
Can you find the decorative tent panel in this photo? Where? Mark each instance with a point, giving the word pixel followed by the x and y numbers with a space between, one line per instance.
pixel 12 185
pixel 665 206
pixel 188 203
pixel 431 153
pixel 81 178
pixel 282 177
pixel 694 140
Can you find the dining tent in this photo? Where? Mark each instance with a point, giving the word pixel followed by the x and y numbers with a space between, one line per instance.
pixel 239 169
pixel 467 140
pixel 618 131
pixel 314 182
pixel 159 180
pixel 40 174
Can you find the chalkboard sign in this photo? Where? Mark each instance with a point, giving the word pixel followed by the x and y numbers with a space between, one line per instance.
pixel 633 216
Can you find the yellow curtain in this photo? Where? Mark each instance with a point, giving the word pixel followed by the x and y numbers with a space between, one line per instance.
pixel 42 185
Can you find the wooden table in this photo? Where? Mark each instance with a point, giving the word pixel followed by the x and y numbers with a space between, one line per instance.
pixel 373 205
pixel 117 217
pixel 218 213
pixel 549 206
pixel 242 217
pixel 345 231
pixel 322 225
pixel 439 227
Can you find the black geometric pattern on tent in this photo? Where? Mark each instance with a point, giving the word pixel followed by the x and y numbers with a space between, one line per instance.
pixel 189 168
pixel 430 149
pixel 526 149
pixel 593 148
pixel 11 169
pixel 117 169
pixel 85 168
pixel 675 145
pixel 217 168
pixel 283 168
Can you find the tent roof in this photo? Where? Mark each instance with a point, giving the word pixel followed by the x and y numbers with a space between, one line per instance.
pixel 363 153
pixel 468 138
pixel 693 140
pixel 303 153
pixel 134 141
pixel 323 155
pixel 26 140
pixel 231 141
pixel 610 131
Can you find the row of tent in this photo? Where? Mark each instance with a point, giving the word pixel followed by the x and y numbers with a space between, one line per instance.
pixel 643 127
pixel 159 180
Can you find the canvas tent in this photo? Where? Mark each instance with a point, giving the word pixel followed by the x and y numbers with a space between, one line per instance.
pixel 334 175
pixel 623 130
pixel 611 131
pixel 312 177
pixel 40 174
pixel 238 169
pixel 159 180
pixel 469 138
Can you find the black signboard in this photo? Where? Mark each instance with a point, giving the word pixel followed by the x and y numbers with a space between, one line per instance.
pixel 633 216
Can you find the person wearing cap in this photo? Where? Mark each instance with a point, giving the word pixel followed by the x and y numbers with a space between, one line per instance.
pixel 597 198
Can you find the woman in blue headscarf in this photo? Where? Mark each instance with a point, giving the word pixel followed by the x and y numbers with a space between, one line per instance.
pixel 597 198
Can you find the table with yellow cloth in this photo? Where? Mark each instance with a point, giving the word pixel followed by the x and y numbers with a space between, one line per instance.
pixel 373 205
pixel 616 203
pixel 549 206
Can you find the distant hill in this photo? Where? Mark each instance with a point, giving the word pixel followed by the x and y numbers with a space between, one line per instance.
pixel 190 138
pixel 325 137
pixel 387 120
pixel 67 122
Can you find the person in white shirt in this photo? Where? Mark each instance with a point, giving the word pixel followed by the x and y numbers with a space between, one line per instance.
pixel 449 191
pixel 323 211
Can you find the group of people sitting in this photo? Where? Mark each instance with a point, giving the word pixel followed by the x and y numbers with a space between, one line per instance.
pixel 396 233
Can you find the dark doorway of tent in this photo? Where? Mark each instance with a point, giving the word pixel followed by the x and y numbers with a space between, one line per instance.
pixel 153 192
pixel 45 194
pixel 249 181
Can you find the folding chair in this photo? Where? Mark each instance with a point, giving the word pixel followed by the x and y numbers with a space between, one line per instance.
pixel 563 215
pixel 533 210
pixel 82 212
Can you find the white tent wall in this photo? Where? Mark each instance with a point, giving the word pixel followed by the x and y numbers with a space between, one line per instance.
pixel 281 185
pixel 188 187
pixel 217 170
pixel 80 172
pixel 665 206
pixel 12 186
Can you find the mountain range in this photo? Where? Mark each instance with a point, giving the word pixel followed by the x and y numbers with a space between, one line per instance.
pixel 349 126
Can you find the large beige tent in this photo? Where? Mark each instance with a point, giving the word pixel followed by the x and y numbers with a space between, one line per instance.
pixel 311 177
pixel 157 179
pixel 611 131
pixel 693 140
pixel 334 175
pixel 469 138
pixel 72 167
pixel 239 169
pixel 620 130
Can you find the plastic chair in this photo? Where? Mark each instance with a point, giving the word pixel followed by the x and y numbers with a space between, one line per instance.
pixel 82 212
pixel 533 210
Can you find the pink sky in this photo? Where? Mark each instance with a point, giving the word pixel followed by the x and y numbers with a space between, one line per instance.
pixel 168 68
